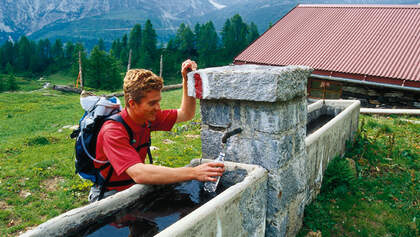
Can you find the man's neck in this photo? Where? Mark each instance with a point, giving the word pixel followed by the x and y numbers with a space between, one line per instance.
pixel 138 121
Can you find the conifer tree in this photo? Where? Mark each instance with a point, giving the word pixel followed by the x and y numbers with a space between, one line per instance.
pixel 102 70
pixel 68 50
pixel 57 51
pixel 35 65
pixel 185 41
pixel 44 53
pixel 124 50
pixel 207 45
pixel 24 54
pixel 197 28
pixel 101 44
pixel 116 49
pixel 11 83
pixel 57 56
pixel 7 54
pixel 171 59
pixel 134 43
pixel 9 68
pixel 115 80
pixel 234 36
pixel 149 57
pixel 96 68
pixel 253 33
pixel 68 54
pixel 2 84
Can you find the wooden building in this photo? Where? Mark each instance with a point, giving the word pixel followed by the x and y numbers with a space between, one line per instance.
pixel 367 52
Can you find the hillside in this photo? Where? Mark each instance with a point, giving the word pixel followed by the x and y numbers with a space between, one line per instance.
pixel 88 21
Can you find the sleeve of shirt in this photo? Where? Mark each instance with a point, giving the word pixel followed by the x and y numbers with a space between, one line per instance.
pixel 117 148
pixel 165 120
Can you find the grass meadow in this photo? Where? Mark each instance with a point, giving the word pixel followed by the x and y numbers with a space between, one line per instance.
pixel 37 178
pixel 37 181
pixel 380 195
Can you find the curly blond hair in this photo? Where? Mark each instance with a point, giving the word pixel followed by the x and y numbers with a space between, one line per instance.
pixel 137 82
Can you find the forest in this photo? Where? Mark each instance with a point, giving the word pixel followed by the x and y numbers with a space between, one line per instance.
pixel 105 68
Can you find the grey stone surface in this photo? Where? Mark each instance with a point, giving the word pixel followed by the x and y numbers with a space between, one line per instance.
pixel 322 147
pixel 253 206
pixel 271 118
pixel 274 137
pixel 217 114
pixel 299 144
pixel 239 211
pixel 295 214
pixel 302 111
pixel 228 214
pixel 285 183
pixel 251 82
pixel 277 225
pixel 233 177
pixel 261 149
pixel 272 112
pixel 238 150
pixel 210 143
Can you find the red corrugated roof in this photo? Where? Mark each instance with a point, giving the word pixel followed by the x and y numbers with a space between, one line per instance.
pixel 370 40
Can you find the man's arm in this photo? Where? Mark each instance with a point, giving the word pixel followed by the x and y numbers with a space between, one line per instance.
pixel 153 174
pixel 187 110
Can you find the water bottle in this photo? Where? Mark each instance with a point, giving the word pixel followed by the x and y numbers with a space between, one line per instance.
pixel 211 186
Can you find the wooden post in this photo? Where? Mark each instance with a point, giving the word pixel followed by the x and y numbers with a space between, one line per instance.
pixel 79 77
pixel 129 60
pixel 80 69
pixel 161 65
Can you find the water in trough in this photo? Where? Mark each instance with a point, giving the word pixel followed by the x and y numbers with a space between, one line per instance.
pixel 318 123
pixel 159 210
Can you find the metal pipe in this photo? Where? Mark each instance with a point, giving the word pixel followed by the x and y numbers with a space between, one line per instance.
pixel 390 111
pixel 368 83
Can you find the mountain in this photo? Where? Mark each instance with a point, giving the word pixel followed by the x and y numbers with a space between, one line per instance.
pixel 89 20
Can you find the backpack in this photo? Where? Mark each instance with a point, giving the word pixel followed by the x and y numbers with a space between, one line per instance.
pixel 98 110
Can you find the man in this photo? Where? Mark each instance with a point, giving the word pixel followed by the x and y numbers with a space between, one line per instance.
pixel 142 113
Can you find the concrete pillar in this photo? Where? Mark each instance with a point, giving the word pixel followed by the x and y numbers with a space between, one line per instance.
pixel 269 104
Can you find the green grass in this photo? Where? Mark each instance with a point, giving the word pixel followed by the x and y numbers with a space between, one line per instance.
pixel 61 78
pixel 383 198
pixel 37 179
pixel 24 83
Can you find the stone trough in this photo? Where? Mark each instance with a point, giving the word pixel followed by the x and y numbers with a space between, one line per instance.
pixel 329 140
pixel 238 209
pixel 284 166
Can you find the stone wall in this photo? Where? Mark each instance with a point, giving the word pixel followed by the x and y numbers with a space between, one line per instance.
pixel 378 97
pixel 269 104
pixel 329 141
pixel 239 211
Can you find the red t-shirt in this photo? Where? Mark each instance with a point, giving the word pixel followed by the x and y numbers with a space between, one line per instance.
pixel 113 143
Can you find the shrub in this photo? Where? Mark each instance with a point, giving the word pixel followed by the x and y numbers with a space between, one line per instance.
pixel 338 177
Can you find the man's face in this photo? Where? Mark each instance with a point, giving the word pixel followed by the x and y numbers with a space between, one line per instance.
pixel 147 108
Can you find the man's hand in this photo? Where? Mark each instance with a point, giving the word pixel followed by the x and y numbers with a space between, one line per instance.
pixel 187 109
pixel 187 66
pixel 209 171
pixel 154 174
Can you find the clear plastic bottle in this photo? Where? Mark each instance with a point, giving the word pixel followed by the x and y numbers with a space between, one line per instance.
pixel 211 186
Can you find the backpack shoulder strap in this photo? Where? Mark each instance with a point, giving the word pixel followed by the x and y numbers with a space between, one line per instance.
pixel 118 118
